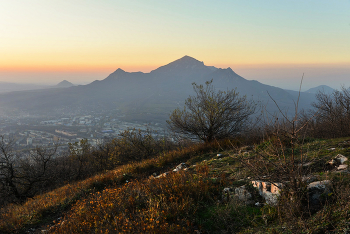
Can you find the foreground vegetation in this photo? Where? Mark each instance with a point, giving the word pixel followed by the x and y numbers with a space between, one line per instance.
pixel 129 199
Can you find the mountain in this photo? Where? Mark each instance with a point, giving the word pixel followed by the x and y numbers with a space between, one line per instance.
pixel 148 96
pixel 63 84
pixel 322 88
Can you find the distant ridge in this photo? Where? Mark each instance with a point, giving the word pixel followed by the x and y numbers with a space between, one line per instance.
pixel 322 88
pixel 64 84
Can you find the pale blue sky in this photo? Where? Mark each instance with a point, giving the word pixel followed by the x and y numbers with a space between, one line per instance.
pixel 86 40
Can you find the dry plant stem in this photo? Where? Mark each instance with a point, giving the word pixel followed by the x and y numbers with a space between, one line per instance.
pixel 273 162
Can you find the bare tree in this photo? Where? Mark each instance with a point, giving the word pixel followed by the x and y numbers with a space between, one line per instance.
pixel 334 114
pixel 24 175
pixel 212 115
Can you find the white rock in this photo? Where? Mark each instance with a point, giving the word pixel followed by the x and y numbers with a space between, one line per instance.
pixel 342 167
pixel 307 164
pixel 180 167
pixel 162 175
pixel 269 191
pixel 341 158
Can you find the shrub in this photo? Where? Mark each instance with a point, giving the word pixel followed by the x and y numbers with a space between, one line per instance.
pixel 136 145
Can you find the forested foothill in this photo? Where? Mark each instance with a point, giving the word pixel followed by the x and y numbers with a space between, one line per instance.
pixel 271 173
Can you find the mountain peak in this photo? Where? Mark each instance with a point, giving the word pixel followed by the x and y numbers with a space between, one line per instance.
pixel 119 70
pixel 185 63
pixel 188 60
pixel 64 84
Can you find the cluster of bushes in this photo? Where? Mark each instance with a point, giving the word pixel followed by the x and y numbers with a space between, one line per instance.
pixel 24 175
pixel 16 218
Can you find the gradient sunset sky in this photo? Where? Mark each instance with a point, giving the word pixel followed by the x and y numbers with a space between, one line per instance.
pixel 272 41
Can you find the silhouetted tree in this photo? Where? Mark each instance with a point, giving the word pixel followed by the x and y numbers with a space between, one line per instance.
pixel 24 175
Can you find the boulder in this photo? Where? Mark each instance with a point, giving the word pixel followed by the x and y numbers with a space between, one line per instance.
pixel 244 195
pixel 337 163
pixel 240 193
pixel 318 191
pixel 342 167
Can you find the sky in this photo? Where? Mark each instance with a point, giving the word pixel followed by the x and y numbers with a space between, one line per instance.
pixel 271 41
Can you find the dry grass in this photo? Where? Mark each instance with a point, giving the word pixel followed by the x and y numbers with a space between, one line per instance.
pixel 165 205
pixel 15 218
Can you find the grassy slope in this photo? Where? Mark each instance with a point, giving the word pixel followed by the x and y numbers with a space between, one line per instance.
pixel 127 200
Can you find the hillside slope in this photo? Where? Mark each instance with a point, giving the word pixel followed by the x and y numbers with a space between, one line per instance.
pixel 134 199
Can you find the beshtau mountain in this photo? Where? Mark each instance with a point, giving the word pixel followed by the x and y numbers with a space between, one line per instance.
pixel 149 96
pixel 64 84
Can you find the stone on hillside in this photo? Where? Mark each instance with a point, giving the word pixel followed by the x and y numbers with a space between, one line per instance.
pixel 162 175
pixel 269 191
pixel 341 159
pixel 244 195
pixel 342 172
pixel 337 162
pixel 307 164
pixel 318 191
pixel 332 162
pixel 180 167
pixel 309 178
pixel 240 193
pixel 342 167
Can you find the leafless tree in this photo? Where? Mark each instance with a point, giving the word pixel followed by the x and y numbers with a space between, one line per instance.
pixel 212 115
pixel 24 175
pixel 334 114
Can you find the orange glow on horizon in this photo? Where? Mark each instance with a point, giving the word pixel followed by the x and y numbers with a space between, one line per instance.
pixel 148 68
